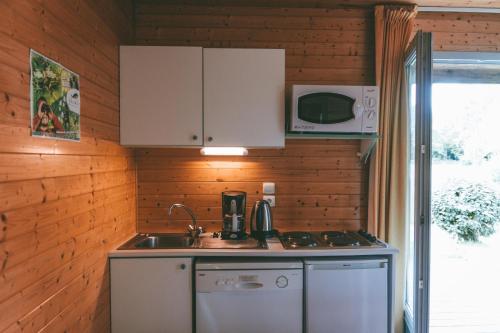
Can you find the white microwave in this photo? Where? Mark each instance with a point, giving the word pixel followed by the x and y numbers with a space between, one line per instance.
pixel 334 109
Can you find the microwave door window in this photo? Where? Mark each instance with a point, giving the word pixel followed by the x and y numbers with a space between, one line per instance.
pixel 325 108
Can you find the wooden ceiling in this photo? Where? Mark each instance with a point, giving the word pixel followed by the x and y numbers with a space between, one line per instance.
pixel 330 3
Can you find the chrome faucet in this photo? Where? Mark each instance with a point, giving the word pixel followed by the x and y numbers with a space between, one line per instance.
pixel 193 230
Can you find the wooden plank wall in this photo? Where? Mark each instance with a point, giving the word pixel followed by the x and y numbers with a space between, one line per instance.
pixel 63 205
pixel 320 184
pixel 462 31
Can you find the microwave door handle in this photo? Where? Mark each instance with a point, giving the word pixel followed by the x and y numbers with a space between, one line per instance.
pixel 359 109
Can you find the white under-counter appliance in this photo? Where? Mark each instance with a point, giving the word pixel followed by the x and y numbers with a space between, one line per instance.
pixel 347 295
pixel 334 109
pixel 248 296
pixel 344 294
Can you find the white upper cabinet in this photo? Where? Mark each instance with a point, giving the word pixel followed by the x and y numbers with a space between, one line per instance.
pixel 161 96
pixel 189 96
pixel 243 97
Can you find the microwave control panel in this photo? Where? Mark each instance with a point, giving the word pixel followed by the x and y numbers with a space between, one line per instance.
pixel 370 112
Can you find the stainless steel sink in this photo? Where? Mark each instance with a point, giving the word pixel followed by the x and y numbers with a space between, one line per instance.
pixel 185 241
pixel 159 241
pixel 217 243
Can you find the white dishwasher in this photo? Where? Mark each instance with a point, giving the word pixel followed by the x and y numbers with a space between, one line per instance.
pixel 347 296
pixel 249 296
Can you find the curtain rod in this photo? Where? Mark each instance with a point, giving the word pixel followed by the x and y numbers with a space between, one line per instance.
pixel 460 9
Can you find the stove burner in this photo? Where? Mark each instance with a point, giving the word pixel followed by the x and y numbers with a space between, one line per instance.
pixel 302 243
pixel 340 238
pixel 333 234
pixel 297 239
pixel 328 239
pixel 295 235
pixel 343 242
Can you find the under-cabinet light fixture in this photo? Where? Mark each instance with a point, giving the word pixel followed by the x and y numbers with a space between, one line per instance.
pixel 224 151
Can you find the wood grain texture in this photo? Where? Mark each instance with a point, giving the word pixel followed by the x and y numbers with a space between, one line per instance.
pixel 328 4
pixel 320 184
pixel 328 46
pixel 326 42
pixel 63 205
pixel 314 190
pixel 462 31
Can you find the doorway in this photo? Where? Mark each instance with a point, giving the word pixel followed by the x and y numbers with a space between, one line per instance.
pixel 453 238
pixel 418 87
pixel 465 233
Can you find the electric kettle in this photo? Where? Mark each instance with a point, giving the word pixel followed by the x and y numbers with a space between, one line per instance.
pixel 261 220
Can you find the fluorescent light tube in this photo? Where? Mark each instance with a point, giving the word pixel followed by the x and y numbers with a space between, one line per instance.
pixel 224 151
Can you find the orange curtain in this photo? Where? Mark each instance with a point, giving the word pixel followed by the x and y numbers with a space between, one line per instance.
pixel 388 166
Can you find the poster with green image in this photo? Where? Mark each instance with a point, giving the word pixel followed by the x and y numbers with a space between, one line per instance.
pixel 55 99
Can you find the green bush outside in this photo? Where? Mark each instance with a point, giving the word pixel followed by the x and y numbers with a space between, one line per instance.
pixel 468 211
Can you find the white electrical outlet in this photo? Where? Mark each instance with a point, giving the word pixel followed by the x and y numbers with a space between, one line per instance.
pixel 268 188
pixel 271 199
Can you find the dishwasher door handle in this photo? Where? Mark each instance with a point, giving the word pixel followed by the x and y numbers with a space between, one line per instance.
pixel 347 265
pixel 248 285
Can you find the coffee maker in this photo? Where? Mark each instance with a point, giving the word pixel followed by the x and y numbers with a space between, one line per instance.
pixel 233 215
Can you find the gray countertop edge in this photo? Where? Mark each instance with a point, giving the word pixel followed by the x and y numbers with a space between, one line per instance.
pixel 275 250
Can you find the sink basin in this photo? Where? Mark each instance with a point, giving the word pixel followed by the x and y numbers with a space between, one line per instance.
pixel 185 241
pixel 159 241
pixel 217 243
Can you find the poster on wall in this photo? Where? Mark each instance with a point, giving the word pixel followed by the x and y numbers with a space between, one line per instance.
pixel 55 99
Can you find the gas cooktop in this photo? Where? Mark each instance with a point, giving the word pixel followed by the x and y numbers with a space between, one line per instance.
pixel 329 239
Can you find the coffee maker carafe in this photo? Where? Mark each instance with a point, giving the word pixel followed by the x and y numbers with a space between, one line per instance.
pixel 233 214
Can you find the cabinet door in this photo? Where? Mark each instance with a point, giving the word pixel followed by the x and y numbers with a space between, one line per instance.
pixel 244 97
pixel 347 296
pixel 151 295
pixel 161 96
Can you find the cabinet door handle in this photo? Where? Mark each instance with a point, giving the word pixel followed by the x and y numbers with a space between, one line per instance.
pixel 210 139
pixel 183 266
pixel 195 137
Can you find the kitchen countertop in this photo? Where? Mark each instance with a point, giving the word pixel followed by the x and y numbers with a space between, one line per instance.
pixel 275 249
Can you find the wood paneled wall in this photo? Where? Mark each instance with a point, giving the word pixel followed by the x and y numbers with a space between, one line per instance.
pixel 337 3
pixel 462 31
pixel 63 205
pixel 320 184
pixel 323 46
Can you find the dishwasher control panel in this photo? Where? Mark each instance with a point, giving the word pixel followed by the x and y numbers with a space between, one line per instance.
pixel 214 281
pixel 248 276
